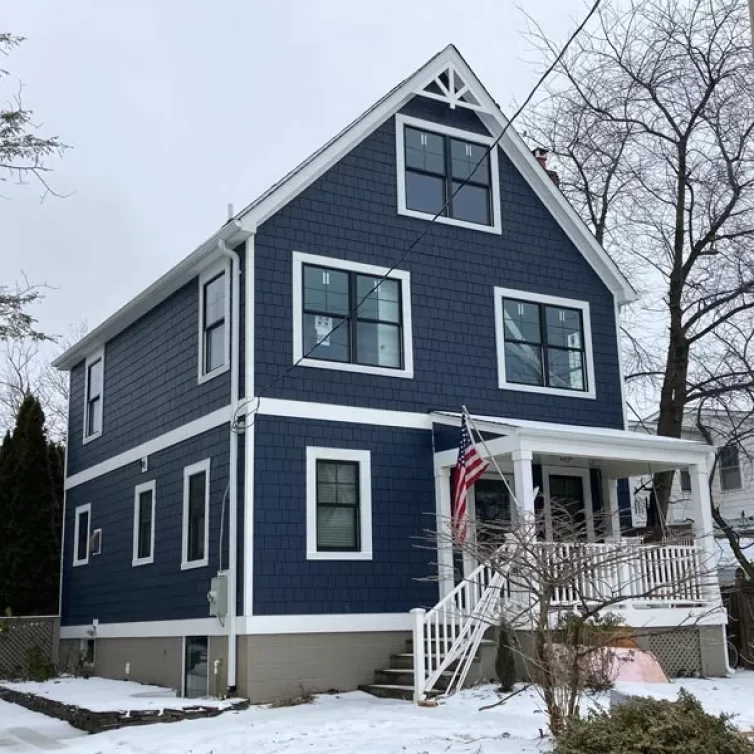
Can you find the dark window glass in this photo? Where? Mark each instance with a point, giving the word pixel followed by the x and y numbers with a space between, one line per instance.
pixel 544 345
pixel 94 398
pixel 82 546
pixel 144 544
pixel 437 166
pixel 196 516
pixel 730 468
pixel 214 323
pixel 338 506
pixel 685 480
pixel 352 318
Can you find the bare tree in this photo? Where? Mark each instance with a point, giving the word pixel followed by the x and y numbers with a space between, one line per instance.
pixel 652 120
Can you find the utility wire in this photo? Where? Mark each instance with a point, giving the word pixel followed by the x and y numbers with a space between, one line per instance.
pixel 284 373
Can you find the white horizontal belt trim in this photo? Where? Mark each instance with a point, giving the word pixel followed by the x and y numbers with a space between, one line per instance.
pixel 259 625
pixel 351 414
pixel 179 434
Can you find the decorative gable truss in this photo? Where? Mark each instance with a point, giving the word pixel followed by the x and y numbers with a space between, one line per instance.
pixel 450 87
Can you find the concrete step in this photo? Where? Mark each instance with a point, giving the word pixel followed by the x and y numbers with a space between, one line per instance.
pixel 389 691
pixel 403 677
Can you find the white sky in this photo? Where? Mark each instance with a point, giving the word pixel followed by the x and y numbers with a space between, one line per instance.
pixel 174 109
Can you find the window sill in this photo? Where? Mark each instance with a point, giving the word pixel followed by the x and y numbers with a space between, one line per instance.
pixel 194 564
pixel 365 555
pixel 202 378
pixel 142 561
pixel 341 366
pixel 89 438
pixel 590 394
pixel 496 229
pixel 77 563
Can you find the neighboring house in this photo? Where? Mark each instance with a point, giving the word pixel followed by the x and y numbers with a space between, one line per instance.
pixel 733 483
pixel 218 424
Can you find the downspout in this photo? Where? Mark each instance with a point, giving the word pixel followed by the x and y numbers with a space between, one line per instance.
pixel 235 350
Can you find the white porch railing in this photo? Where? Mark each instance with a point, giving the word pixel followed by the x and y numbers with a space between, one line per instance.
pixel 447 637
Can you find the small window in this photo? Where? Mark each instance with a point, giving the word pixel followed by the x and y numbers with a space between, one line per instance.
pixel 350 316
pixel 214 317
pixel 81 533
pixel 196 515
pixel 544 344
pixel 447 173
pixel 339 504
pixel 94 387
pixel 730 468
pixel 685 480
pixel 144 524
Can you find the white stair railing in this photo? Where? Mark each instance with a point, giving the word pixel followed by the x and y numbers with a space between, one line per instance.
pixel 453 629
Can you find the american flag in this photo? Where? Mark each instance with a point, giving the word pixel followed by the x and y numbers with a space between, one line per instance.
pixel 469 467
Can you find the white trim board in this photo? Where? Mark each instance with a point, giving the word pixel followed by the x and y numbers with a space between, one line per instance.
pixel 300 259
pixel 401 121
pixel 179 434
pixel 333 623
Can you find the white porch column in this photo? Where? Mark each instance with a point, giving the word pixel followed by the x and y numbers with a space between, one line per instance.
pixel 610 508
pixel 703 528
pixel 444 530
pixel 523 483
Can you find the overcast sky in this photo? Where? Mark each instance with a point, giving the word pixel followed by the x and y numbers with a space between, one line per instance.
pixel 174 109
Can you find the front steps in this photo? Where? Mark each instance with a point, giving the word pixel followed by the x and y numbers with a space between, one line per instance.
pixel 397 681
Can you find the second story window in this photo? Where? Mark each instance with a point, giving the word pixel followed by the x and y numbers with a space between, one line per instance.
pixel 544 344
pixel 730 468
pixel 447 171
pixel 94 387
pixel 214 316
pixel 349 316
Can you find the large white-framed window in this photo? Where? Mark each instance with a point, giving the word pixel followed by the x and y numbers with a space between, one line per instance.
pixel 195 549
pixel 214 321
pixel 144 523
pixel 544 344
pixel 338 504
pixel 349 316
pixel 730 468
pixel 82 526
pixel 433 161
pixel 94 388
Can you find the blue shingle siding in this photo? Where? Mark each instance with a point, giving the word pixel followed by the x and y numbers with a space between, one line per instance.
pixel 108 587
pixel 403 505
pixel 150 384
pixel 351 213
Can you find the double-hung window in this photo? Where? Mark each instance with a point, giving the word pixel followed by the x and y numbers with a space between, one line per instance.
pixel 339 504
pixel 351 316
pixel 685 478
pixel 446 172
pixel 94 388
pixel 196 515
pixel 144 523
pixel 730 468
pixel 214 317
pixel 82 524
pixel 544 344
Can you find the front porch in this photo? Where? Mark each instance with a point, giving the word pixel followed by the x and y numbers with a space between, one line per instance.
pixel 566 479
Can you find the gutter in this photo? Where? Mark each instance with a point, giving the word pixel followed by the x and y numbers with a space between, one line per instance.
pixel 235 350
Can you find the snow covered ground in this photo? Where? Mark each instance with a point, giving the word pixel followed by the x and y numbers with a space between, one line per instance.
pixel 103 695
pixel 356 722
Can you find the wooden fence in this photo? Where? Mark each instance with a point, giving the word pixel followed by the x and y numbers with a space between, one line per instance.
pixel 739 602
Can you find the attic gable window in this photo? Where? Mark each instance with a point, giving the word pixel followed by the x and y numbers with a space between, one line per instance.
pixel 214 322
pixel 544 344
pixel 447 171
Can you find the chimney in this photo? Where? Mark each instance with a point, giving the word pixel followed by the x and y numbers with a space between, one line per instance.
pixel 541 154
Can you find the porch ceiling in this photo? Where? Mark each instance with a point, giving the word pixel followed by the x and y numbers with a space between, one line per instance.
pixel 619 453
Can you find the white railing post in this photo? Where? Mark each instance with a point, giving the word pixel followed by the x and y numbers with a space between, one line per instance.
pixel 420 676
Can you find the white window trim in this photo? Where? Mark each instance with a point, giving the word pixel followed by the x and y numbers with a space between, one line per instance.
pixel 97 355
pixel 401 121
pixel 189 471
pixel 299 260
pixel 138 490
pixel 363 458
pixel 77 533
pixel 540 298
pixel 222 267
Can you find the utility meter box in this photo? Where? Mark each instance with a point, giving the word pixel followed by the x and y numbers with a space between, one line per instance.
pixel 218 597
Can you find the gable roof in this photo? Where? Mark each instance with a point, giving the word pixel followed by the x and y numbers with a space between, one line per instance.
pixel 470 93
